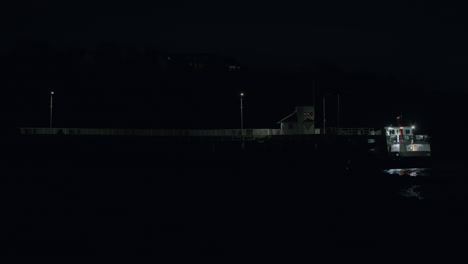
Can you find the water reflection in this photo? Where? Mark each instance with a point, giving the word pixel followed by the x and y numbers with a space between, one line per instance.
pixel 413 172
pixel 412 192
pixel 407 188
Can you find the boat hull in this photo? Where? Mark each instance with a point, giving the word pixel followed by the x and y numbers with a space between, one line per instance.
pixel 410 154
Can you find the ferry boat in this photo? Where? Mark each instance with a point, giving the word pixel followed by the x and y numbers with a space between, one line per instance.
pixel 402 142
pixel 405 148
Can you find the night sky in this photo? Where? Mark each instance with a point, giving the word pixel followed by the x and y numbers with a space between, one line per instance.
pixel 183 65
pixel 383 59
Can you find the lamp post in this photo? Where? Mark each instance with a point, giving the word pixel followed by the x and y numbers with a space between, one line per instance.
pixel 338 110
pixel 242 115
pixel 51 106
pixel 324 121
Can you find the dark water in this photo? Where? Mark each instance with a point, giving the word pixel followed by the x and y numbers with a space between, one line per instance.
pixel 222 206
pixel 438 184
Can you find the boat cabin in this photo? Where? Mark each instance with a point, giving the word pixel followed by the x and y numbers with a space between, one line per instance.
pixel 401 141
pixel 400 133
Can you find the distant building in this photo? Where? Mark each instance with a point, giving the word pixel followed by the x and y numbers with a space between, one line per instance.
pixel 201 62
pixel 301 121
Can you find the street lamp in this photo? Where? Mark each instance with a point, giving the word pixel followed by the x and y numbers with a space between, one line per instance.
pixel 51 106
pixel 338 110
pixel 242 115
pixel 324 121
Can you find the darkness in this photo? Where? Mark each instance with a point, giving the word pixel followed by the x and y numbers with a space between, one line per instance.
pixel 108 66
pixel 183 65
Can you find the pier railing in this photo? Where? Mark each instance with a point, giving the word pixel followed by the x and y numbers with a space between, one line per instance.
pixel 152 132
pixel 252 133
pixel 355 131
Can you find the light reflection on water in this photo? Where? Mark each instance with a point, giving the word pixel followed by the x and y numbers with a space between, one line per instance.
pixel 413 172
pixel 410 190
pixel 441 183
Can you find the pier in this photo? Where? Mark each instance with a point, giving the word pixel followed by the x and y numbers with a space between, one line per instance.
pixel 234 133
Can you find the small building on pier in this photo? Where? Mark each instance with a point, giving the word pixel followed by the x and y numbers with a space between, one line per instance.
pixel 301 121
